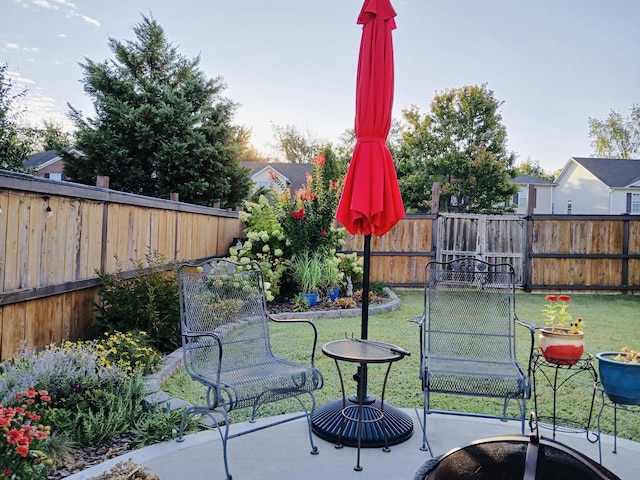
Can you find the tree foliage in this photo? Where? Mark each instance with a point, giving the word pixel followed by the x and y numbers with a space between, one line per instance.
pixel 461 144
pixel 532 168
pixel 297 147
pixel 616 136
pixel 15 140
pixel 161 126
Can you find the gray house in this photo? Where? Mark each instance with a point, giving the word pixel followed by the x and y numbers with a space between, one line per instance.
pixel 603 186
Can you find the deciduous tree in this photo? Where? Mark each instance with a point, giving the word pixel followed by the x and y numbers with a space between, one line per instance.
pixel 616 136
pixel 15 140
pixel 462 144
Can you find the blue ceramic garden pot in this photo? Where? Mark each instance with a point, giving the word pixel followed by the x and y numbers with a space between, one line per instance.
pixel 311 298
pixel 620 380
pixel 333 293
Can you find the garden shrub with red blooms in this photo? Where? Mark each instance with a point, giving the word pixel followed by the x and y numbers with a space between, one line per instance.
pixel 22 438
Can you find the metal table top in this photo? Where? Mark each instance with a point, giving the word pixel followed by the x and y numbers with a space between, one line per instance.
pixel 363 351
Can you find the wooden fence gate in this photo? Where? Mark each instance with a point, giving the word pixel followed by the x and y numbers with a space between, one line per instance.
pixel 492 238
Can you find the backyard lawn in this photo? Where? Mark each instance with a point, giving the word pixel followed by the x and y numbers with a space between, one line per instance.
pixel 612 321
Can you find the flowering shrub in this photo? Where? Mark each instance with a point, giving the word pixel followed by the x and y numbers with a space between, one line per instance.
pixel 22 455
pixel 308 219
pixel 557 315
pixel 266 243
pixel 129 351
pixel 351 265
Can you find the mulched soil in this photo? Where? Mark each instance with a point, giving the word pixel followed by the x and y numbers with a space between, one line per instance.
pixel 322 305
pixel 86 457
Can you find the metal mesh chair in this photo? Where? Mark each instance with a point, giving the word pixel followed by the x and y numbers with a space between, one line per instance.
pixel 226 347
pixel 468 336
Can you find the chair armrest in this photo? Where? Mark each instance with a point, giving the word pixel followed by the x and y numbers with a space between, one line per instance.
pixel 532 330
pixel 417 320
pixel 302 320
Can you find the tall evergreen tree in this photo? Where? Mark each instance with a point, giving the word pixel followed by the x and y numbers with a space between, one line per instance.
pixel 161 126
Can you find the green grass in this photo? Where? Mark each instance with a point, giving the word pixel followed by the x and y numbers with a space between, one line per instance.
pixel 612 321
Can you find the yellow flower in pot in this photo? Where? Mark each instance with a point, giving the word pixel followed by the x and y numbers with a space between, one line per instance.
pixel 561 341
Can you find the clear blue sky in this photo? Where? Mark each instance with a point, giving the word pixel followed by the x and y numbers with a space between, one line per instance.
pixel 554 63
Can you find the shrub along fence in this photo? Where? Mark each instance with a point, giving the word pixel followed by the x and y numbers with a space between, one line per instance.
pixel 56 236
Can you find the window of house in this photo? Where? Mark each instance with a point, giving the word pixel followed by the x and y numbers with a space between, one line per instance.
pixel 635 203
pixel 522 196
pixel 569 207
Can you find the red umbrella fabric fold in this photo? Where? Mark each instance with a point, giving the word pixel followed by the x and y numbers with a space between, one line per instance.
pixel 371 201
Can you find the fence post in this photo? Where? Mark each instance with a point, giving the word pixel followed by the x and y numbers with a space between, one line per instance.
pixel 102 181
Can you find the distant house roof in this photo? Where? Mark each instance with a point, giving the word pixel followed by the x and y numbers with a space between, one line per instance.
pixel 528 179
pixel 613 172
pixel 295 173
pixel 41 160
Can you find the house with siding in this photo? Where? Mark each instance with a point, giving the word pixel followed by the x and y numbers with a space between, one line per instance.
pixel 542 194
pixel 293 175
pixel 49 164
pixel 600 186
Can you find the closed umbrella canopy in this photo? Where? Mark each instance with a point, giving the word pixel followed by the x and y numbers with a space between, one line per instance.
pixel 371 201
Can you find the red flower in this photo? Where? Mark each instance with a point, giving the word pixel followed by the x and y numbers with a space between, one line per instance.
pixel 298 214
pixel 323 232
pixel 552 298
pixel 22 450
pixel 319 160
pixel 333 184
pixel 564 298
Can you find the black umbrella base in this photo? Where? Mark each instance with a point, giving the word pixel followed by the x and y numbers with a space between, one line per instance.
pixel 327 423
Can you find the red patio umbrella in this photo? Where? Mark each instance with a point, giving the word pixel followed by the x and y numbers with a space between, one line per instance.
pixel 371 201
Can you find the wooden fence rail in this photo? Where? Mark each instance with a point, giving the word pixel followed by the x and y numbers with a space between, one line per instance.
pixel 56 237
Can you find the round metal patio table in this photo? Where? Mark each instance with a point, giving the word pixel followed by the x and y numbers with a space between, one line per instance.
pixel 363 352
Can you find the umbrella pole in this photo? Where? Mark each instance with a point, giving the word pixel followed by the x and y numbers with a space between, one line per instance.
pixel 364 325
pixel 328 421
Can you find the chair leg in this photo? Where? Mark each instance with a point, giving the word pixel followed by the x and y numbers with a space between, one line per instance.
pixel 425 442
pixel 314 448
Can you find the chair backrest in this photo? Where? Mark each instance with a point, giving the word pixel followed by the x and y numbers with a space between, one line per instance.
pixel 226 302
pixel 470 310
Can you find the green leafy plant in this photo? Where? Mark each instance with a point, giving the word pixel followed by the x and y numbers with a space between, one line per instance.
pixel 160 425
pixel 307 270
pixel 22 440
pixel 147 302
pixel 557 315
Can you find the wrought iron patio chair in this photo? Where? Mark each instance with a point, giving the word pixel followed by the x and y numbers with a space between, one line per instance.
pixel 227 347
pixel 468 337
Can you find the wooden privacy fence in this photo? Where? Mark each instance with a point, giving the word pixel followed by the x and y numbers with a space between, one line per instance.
pixel 56 235
pixel 550 253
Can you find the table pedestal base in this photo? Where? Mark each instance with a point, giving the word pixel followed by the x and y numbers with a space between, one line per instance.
pixel 327 421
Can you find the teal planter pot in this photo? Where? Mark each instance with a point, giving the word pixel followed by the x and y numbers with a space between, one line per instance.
pixel 311 298
pixel 620 380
